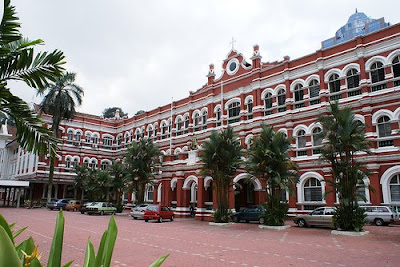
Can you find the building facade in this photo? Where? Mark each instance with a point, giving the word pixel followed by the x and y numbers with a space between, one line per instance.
pixel 362 73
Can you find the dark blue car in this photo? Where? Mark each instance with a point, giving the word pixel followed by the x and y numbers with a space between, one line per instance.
pixel 252 213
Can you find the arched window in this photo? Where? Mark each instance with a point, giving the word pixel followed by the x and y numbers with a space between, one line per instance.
pixel 377 76
pixel 385 131
pixel 186 124
pixel 218 116
pixel 313 87
pixel 249 109
pixel 74 163
pixel 78 136
pixel 317 140
pixel 67 163
pixel 155 132
pixel 396 70
pixel 334 87
pixel 107 142
pixel 86 163
pixel 70 135
pixel 204 119
pixel 149 132
pixel 298 96
pixel 164 130
pixel 233 112
pixel 196 122
pixel 137 135
pixel 88 137
pixel 179 127
pixel 353 81
pixel 169 129
pixel 149 193
pixel 281 100
pixel 268 104
pixel 301 142
pixel 104 165
pixel 193 193
pixel 126 138
pixel 95 139
pixel 93 164
pixel 395 188
pixel 312 190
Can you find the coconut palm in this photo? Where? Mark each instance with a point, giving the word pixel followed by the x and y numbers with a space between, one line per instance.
pixel 345 137
pixel 268 160
pixel 19 62
pixel 82 174
pixel 60 101
pixel 141 160
pixel 221 156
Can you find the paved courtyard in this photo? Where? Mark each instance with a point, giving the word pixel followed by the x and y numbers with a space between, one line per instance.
pixel 194 243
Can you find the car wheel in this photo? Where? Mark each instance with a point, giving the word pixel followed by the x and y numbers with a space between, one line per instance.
pixel 160 220
pixel 102 212
pixel 379 222
pixel 301 223
pixel 51 209
pixel 82 212
pixel 135 218
pixel 236 219
pixel 146 220
pixel 261 220
pixel 172 218
pixel 75 209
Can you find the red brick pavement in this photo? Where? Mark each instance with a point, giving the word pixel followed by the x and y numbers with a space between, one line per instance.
pixel 195 243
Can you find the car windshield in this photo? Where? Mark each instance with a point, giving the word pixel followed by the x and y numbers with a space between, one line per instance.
pixel 152 208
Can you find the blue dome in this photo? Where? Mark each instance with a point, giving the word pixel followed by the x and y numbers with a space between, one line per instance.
pixel 358 16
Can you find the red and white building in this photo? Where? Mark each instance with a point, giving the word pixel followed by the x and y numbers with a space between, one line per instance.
pixel 362 73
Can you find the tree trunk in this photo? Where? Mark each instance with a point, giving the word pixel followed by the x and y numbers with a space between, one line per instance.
pixel 51 175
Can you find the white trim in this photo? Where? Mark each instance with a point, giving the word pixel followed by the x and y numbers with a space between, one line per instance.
pixel 174 182
pixel 231 101
pixel 385 180
pixel 255 181
pixel 300 187
pixel 296 82
pixel 188 181
pixel 207 182
pixel 380 113
pixel 351 66
pixel 330 72
pixel 374 59
pixel 310 78
pixel 266 91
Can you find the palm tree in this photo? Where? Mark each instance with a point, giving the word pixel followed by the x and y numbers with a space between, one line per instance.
pixel 82 174
pixel 118 179
pixel 345 137
pixel 221 156
pixel 268 160
pixel 19 62
pixel 141 160
pixel 60 101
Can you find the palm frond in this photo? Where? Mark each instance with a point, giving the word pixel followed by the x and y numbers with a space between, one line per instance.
pixel 30 133
pixel 9 27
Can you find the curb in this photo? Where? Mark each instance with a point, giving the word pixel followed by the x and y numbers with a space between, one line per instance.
pixel 219 224
pixel 270 227
pixel 349 233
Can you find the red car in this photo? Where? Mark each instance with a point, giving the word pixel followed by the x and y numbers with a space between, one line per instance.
pixel 159 213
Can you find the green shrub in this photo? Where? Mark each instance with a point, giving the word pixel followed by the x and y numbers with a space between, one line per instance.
pixel 275 212
pixel 119 207
pixel 222 218
pixel 349 218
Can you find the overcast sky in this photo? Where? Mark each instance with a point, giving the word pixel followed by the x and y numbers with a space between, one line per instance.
pixel 139 54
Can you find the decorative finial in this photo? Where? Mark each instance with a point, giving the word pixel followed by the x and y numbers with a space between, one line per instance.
pixel 232 42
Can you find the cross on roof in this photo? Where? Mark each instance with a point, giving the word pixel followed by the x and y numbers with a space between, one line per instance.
pixel 232 42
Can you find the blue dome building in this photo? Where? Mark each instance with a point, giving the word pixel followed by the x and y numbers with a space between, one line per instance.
pixel 357 24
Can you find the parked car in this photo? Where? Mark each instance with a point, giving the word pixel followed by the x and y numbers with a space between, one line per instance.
pixel 101 208
pixel 318 217
pixel 52 203
pixel 380 215
pixel 73 205
pixel 252 213
pixel 138 211
pixel 83 208
pixel 59 205
pixel 158 212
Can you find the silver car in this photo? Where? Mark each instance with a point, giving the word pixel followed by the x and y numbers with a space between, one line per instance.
pixel 138 211
pixel 319 217
pixel 380 215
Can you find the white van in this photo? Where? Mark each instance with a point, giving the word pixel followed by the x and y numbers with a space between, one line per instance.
pixel 380 215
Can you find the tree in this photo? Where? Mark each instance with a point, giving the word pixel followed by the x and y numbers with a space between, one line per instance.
pixel 81 178
pixel 19 62
pixel 141 160
pixel 140 112
pixel 345 137
pixel 221 156
pixel 60 100
pixel 268 160
pixel 110 112
pixel 118 181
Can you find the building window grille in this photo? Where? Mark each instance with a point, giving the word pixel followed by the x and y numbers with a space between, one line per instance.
pixel 317 140
pixel 196 122
pixel 70 136
pixel 395 188
pixel 353 82
pixel 107 142
pixel 314 87
pixel 250 109
pixel 312 190
pixel 384 131
pixel 233 112
pixel 298 96
pixel 179 127
pixel 378 76
pixel 186 124
pixel 281 100
pixel 204 119
pixel 396 70
pixel 218 116
pixel 268 104
pixel 334 87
